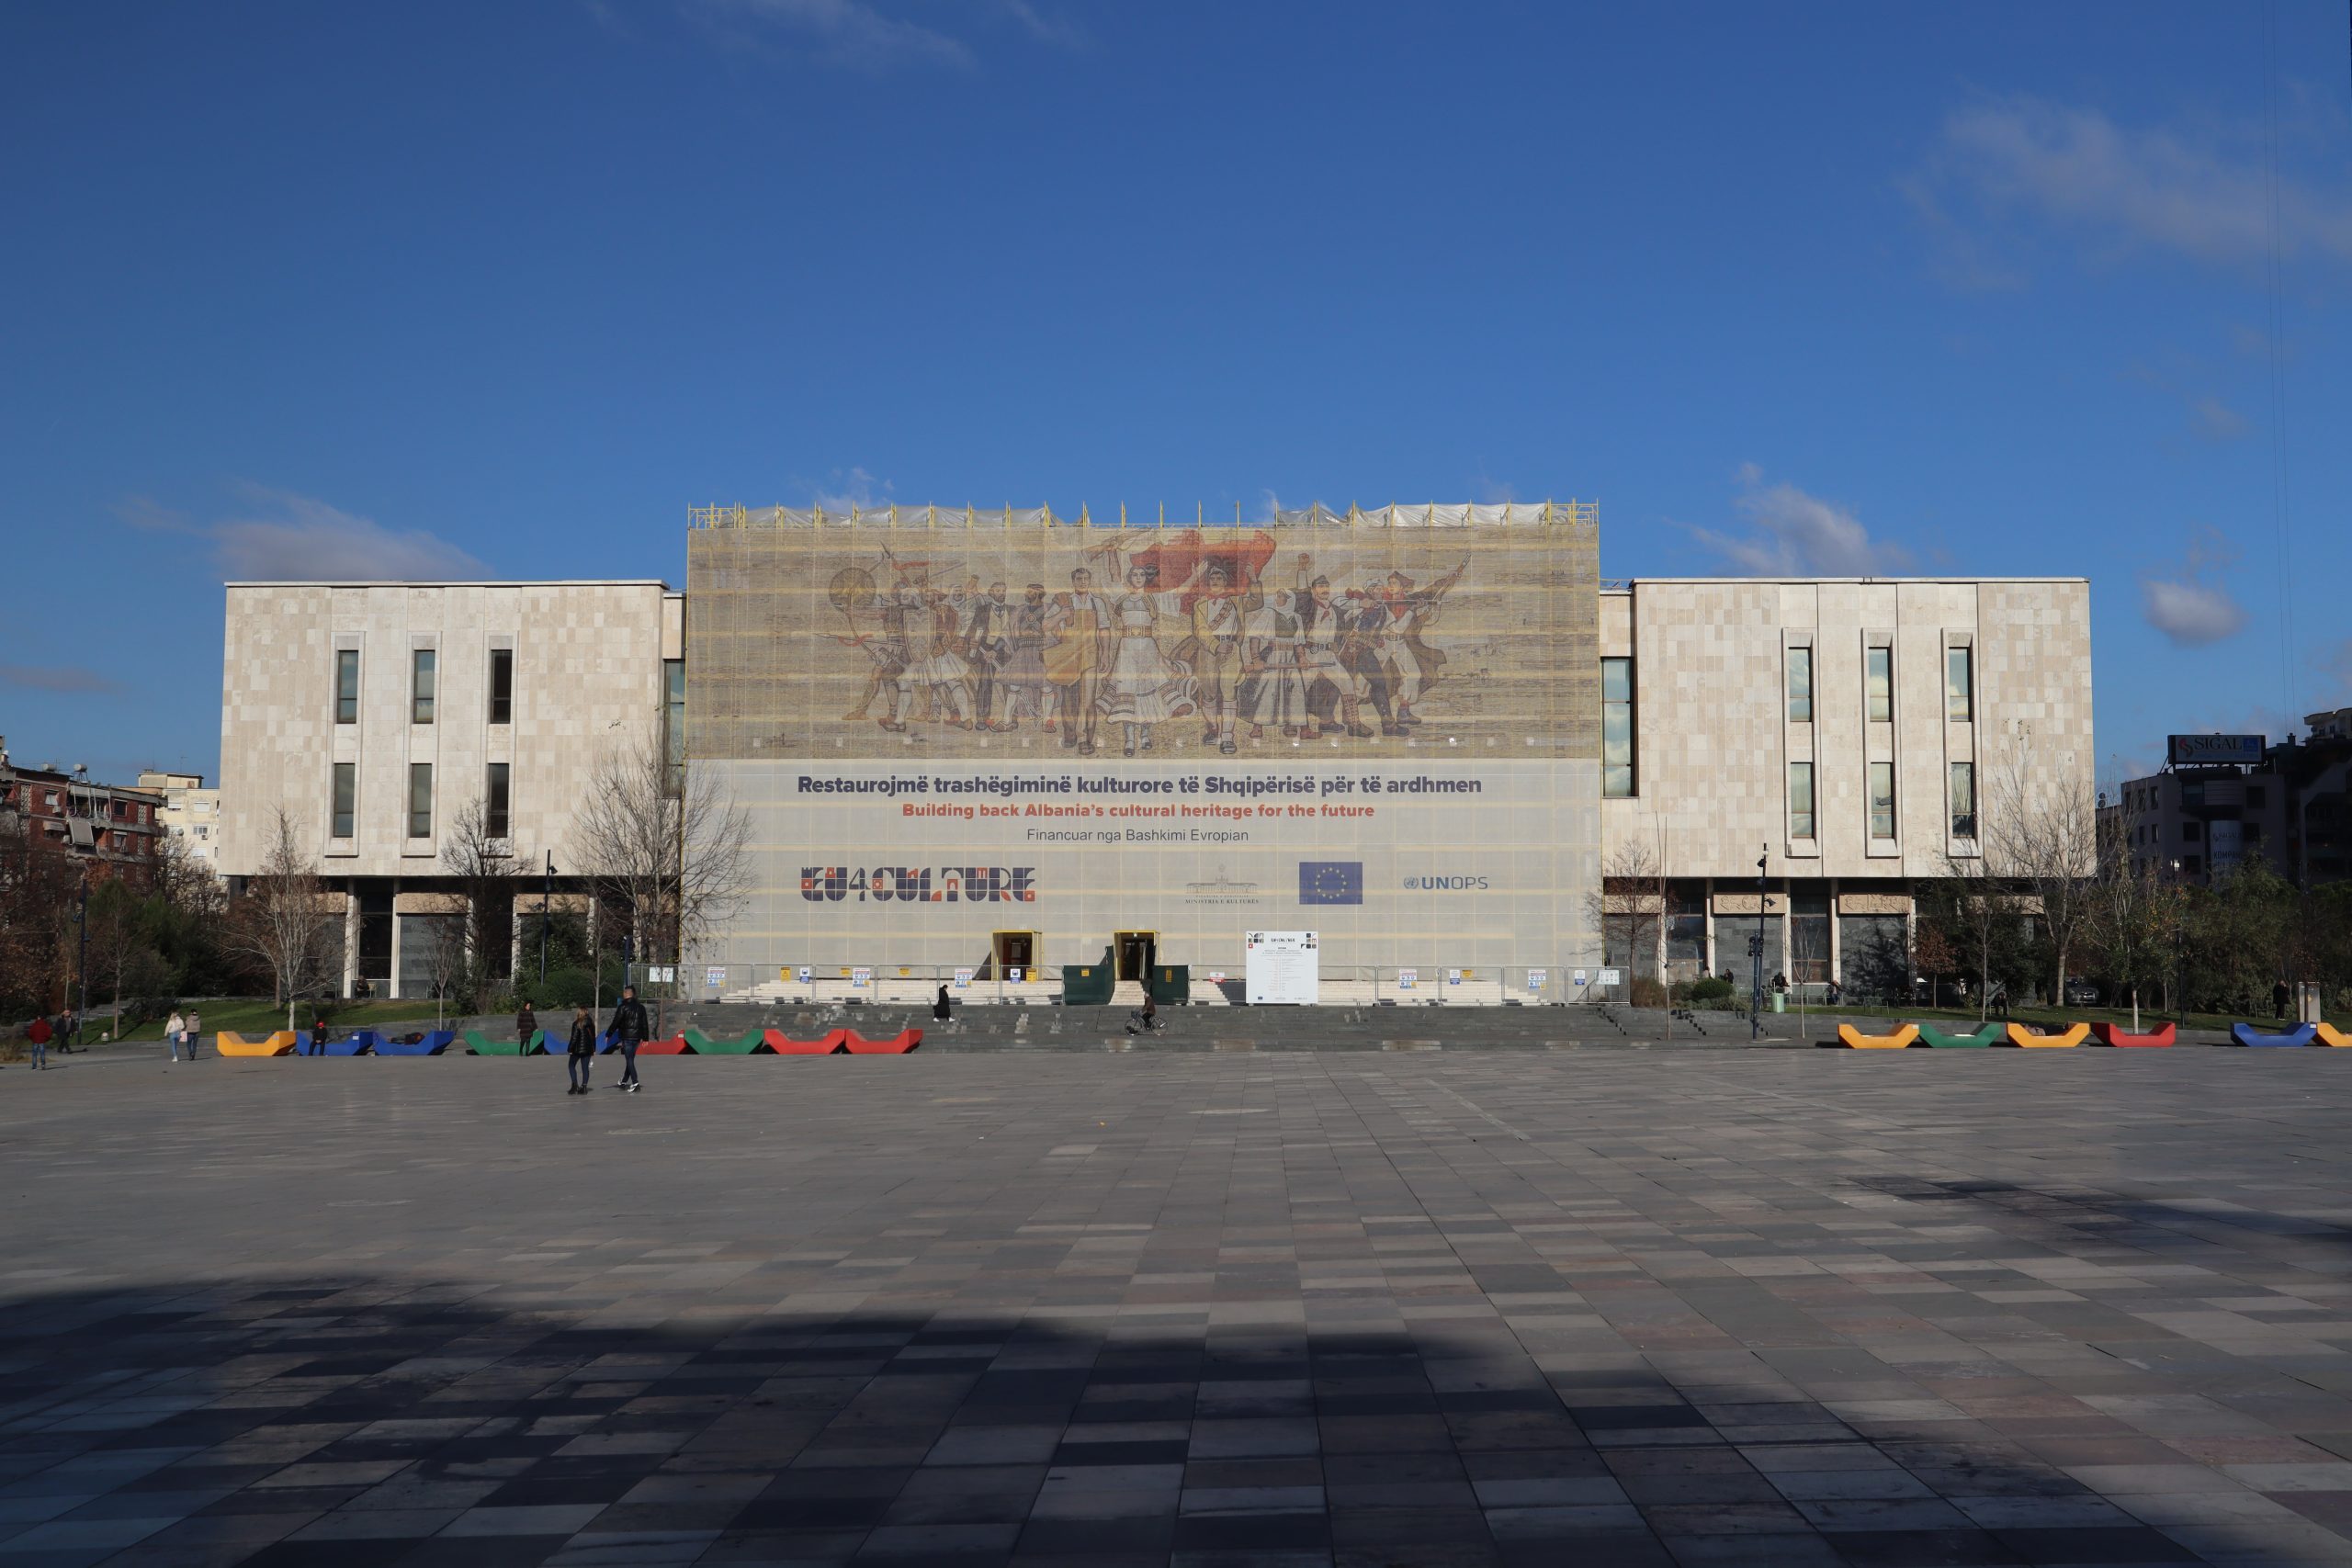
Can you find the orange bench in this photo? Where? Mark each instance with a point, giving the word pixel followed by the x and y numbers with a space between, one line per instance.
pixel 281 1044
pixel 1855 1039
pixel 2021 1035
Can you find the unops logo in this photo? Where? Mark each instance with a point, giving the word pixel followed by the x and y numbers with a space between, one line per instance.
pixel 1445 885
pixel 920 885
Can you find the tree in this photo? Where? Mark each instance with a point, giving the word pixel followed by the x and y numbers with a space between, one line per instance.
pixel 119 943
pixel 280 923
pixel 488 873
pixel 1932 955
pixel 1630 910
pixel 2131 915
pixel 1977 910
pixel 38 883
pixel 667 849
pixel 2042 831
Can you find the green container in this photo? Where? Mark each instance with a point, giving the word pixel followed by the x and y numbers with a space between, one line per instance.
pixel 703 1046
pixel 1991 1034
pixel 1171 984
pixel 1090 985
pixel 479 1046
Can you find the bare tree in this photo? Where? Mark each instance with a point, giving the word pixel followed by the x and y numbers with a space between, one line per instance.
pixel 2135 914
pixel 2044 833
pixel 117 940
pixel 488 872
pixel 1630 901
pixel 669 851
pixel 444 954
pixel 280 923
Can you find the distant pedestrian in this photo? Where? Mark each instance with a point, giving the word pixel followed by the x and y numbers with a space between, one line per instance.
pixel 940 1008
pixel 174 1027
pixel 2001 1000
pixel 195 1032
pixel 582 1050
pixel 69 1029
pixel 526 1024
pixel 39 1034
pixel 630 1028
pixel 318 1034
pixel 2279 997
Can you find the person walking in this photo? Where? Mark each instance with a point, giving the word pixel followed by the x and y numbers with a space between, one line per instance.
pixel 38 1035
pixel 526 1024
pixel 69 1029
pixel 174 1027
pixel 630 1028
pixel 581 1050
pixel 195 1032
pixel 939 1010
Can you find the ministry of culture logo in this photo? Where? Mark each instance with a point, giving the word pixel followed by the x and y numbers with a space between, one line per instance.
pixel 1330 882
pixel 921 885
pixel 1219 889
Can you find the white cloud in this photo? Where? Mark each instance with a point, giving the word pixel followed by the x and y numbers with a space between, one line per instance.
pixel 296 538
pixel 2215 420
pixel 855 488
pixel 2206 197
pixel 1059 32
pixel 1796 535
pixel 852 34
pixel 2188 604
pixel 71 679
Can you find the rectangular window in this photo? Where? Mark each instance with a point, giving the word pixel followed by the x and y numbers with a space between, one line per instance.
pixel 494 801
pixel 501 685
pixel 674 722
pixel 1800 685
pixel 1618 779
pixel 421 689
pixel 1964 800
pixel 2191 832
pixel 420 800
pixel 347 685
pixel 2257 796
pixel 1878 671
pixel 346 798
pixel 1799 800
pixel 1881 800
pixel 1959 691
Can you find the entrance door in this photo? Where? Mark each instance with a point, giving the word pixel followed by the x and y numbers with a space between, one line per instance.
pixel 1135 949
pixel 1014 949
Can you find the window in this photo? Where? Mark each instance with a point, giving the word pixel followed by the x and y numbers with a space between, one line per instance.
pixel 1964 800
pixel 420 800
pixel 1799 800
pixel 347 685
pixel 674 722
pixel 494 801
pixel 501 685
pixel 1881 800
pixel 1800 685
pixel 2257 796
pixel 2193 865
pixel 346 799
pixel 1878 679
pixel 420 688
pixel 2191 832
pixel 1959 691
pixel 1618 779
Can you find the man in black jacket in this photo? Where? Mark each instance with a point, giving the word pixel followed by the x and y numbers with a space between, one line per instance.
pixel 630 1028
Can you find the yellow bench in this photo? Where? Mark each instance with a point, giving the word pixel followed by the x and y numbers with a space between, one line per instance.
pixel 2021 1035
pixel 2328 1034
pixel 1848 1034
pixel 281 1044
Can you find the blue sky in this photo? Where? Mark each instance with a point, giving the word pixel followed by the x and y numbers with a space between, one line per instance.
pixel 503 289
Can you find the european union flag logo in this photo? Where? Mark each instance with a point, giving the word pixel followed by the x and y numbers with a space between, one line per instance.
pixel 1330 882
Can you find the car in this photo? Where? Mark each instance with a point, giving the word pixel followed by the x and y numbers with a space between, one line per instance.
pixel 2082 993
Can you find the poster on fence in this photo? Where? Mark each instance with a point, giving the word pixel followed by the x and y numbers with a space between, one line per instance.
pixel 963 980
pixel 861 978
pixel 1404 979
pixel 1283 969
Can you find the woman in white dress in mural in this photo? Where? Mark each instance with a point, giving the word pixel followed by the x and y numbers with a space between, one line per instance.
pixel 1144 686
pixel 1273 693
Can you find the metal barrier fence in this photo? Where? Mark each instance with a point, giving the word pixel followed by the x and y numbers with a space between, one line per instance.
pixel 1438 984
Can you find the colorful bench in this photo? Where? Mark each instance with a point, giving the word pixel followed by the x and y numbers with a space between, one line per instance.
pixel 433 1044
pixel 751 1045
pixel 476 1045
pixel 281 1044
pixel 2074 1035
pixel 1990 1035
pixel 355 1043
pixel 2328 1034
pixel 782 1044
pixel 2115 1034
pixel 2248 1034
pixel 899 1044
pixel 1854 1039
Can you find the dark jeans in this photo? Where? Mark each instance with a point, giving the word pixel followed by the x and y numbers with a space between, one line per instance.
pixel 576 1068
pixel 628 1061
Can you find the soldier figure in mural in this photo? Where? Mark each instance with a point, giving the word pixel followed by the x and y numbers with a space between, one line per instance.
pixel 1334 691
pixel 1273 695
pixel 987 625
pixel 1081 624
pixel 1019 663
pixel 1213 653
pixel 853 590
pixel 1412 665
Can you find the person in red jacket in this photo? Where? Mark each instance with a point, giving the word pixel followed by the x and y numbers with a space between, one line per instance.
pixel 39 1034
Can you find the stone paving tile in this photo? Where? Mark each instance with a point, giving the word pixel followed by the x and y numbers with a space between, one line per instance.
pixel 1339 1309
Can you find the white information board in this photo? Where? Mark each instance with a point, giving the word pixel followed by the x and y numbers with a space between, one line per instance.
pixel 860 978
pixel 1285 968
pixel 963 980
pixel 716 978
pixel 1536 978
pixel 1404 979
pixel 1611 976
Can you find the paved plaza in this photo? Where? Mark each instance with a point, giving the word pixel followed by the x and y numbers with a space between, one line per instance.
pixel 1585 1306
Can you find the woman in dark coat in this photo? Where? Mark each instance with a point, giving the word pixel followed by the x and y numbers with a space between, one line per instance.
pixel 526 1023
pixel 939 1010
pixel 582 1050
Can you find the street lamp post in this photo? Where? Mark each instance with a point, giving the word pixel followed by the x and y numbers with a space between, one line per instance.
pixel 546 904
pixel 82 964
pixel 1755 952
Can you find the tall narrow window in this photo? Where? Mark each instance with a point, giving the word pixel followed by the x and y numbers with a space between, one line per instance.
pixel 1964 800
pixel 1881 800
pixel 346 798
pixel 1959 690
pixel 347 685
pixel 501 685
pixel 420 688
pixel 674 723
pixel 494 801
pixel 1618 779
pixel 1800 685
pixel 1877 680
pixel 420 800
pixel 1799 800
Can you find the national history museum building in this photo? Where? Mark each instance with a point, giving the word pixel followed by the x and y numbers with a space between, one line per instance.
pixel 1005 741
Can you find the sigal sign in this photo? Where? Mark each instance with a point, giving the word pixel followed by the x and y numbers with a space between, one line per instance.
pixel 2208 751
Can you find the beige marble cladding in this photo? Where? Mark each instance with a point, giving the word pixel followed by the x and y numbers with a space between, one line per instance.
pixel 1714 739
pixel 587 674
